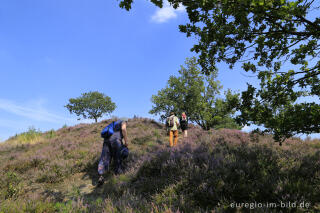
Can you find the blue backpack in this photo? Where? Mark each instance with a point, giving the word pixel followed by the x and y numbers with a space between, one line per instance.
pixel 109 130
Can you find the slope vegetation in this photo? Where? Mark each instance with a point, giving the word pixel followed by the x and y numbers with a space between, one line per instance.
pixel 210 171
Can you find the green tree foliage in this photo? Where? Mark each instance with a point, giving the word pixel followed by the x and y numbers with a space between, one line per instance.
pixel 91 105
pixel 197 95
pixel 265 35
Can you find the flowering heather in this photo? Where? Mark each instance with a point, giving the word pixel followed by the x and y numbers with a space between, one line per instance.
pixel 206 172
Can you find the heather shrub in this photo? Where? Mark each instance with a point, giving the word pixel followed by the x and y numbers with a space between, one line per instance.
pixel 51 174
pixel 141 140
pixel 191 177
pixel 204 173
pixel 316 145
pixel 39 206
pixel 10 206
pixel 18 166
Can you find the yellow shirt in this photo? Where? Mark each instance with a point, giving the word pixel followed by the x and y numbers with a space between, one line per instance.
pixel 176 121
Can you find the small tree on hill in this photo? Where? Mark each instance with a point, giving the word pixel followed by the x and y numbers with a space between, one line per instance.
pixel 91 105
pixel 196 94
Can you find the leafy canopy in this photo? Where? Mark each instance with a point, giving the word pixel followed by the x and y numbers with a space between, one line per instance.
pixel 265 36
pixel 91 105
pixel 198 96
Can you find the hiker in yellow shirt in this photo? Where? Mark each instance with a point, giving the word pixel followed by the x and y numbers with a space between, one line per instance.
pixel 172 125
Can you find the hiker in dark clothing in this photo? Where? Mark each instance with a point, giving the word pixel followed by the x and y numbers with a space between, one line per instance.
pixel 114 148
pixel 184 124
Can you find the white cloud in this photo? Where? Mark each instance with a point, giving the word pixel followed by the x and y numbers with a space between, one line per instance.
pixel 34 111
pixel 166 13
pixel 247 128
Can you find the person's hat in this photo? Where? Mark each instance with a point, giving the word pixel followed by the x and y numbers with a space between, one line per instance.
pixel 124 119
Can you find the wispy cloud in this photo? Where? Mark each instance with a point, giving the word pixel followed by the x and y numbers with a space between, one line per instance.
pixel 34 111
pixel 5 123
pixel 18 117
pixel 166 13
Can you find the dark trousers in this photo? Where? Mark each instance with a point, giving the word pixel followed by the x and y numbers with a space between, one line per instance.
pixel 110 149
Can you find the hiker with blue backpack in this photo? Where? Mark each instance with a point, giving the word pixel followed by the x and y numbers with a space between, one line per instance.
pixel 113 147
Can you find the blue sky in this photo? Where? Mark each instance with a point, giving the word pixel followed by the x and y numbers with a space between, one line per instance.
pixel 51 51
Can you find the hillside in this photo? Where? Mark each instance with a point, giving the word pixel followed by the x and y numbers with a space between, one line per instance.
pixel 56 171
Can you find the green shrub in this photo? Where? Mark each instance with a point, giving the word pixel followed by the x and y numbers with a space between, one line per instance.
pixel 64 207
pixel 75 192
pixel 31 136
pixel 157 134
pixel 50 134
pixel 39 207
pixel 12 185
